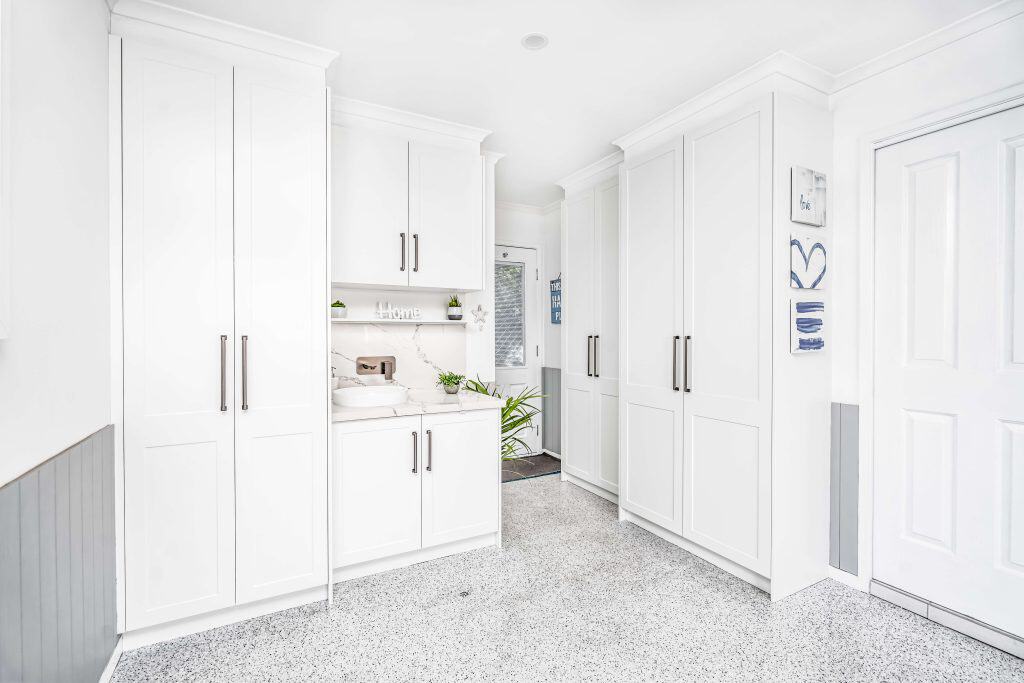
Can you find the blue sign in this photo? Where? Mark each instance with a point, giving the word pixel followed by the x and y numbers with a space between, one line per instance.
pixel 556 301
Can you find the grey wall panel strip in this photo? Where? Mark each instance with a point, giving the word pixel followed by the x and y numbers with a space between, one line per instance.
pixel 551 387
pixel 844 487
pixel 57 566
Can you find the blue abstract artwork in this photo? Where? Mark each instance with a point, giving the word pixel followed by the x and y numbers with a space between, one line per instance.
pixel 807 263
pixel 806 332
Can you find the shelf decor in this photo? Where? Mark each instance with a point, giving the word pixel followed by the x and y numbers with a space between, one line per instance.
pixel 807 201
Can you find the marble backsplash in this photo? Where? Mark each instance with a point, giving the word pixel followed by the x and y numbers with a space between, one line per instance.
pixel 420 351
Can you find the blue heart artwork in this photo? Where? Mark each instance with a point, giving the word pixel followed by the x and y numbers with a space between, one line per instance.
pixel 807 330
pixel 807 263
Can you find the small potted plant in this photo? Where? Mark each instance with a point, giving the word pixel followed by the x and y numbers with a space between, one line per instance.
pixel 338 310
pixel 450 382
pixel 454 308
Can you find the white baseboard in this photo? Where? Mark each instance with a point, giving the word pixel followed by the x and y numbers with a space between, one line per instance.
pixel 848 579
pixel 115 657
pixel 384 564
pixel 961 623
pixel 587 486
pixel 722 563
pixel 229 615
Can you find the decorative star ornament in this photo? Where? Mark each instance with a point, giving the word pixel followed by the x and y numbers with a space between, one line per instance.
pixel 479 316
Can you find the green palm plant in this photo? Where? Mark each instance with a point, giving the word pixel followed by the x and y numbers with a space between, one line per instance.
pixel 516 415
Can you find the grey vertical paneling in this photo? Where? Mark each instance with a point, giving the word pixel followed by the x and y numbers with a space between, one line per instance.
pixel 10 584
pixel 31 602
pixel 835 473
pixel 57 566
pixel 551 387
pixel 844 487
pixel 848 512
pixel 48 570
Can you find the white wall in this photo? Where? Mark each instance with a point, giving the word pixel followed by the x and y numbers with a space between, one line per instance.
pixel 55 366
pixel 538 228
pixel 976 65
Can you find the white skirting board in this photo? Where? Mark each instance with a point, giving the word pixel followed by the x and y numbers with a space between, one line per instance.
pixel 722 563
pixel 115 657
pixel 587 486
pixel 997 638
pixel 384 564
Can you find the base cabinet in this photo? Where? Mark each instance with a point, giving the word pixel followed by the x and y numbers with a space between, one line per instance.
pixel 403 484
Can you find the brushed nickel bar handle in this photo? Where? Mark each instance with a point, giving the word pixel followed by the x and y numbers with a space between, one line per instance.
pixel 403 252
pixel 687 357
pixel 415 452
pixel 675 362
pixel 223 373
pixel 430 450
pixel 416 252
pixel 596 338
pixel 245 372
pixel 590 338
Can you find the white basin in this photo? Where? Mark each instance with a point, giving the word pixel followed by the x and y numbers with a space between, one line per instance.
pixel 370 397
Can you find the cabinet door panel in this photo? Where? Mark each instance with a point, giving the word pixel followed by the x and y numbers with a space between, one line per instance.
pixel 461 476
pixel 178 442
pixel 727 450
pixel 445 218
pixel 281 311
pixel 579 431
pixel 376 493
pixel 651 296
pixel 370 207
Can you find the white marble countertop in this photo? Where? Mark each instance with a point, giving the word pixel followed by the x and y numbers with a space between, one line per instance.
pixel 421 402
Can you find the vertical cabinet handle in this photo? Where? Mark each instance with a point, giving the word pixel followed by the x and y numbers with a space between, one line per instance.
pixel 596 338
pixel 415 453
pixel 403 251
pixel 430 450
pixel 687 356
pixel 223 373
pixel 416 253
pixel 590 338
pixel 675 369
pixel 245 372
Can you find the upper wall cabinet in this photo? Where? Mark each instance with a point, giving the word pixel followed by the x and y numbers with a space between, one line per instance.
pixel 407 200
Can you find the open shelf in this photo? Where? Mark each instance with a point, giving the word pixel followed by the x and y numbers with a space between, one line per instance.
pixel 376 321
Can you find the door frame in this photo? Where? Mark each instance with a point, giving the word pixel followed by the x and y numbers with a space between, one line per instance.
pixel 868 144
pixel 539 294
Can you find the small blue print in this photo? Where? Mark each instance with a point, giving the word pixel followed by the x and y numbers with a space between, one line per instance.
pixel 812 344
pixel 556 301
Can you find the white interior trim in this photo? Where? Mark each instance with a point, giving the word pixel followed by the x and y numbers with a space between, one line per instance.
pixel 522 208
pixel 979 21
pixel 342 107
pixel 5 169
pixel 224 31
pixel 115 657
pixel 888 135
pixel 600 170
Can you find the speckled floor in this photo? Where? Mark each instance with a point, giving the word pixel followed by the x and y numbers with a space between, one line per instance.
pixel 575 595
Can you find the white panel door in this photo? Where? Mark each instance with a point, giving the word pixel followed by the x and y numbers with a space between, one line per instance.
pixel 651 297
pixel 178 441
pixel 377 468
pixel 461 474
pixel 606 328
pixel 445 217
pixel 949 368
pixel 579 253
pixel 728 305
pixel 370 207
pixel 281 319
pixel 517 330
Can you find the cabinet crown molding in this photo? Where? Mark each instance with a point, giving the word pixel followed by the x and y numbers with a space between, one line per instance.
pixel 782 64
pixel 343 108
pixel 602 169
pixel 224 31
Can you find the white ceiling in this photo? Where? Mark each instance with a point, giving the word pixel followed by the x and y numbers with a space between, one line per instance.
pixel 611 65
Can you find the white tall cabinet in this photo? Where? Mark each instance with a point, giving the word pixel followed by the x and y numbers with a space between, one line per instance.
pixel 724 439
pixel 224 316
pixel 590 322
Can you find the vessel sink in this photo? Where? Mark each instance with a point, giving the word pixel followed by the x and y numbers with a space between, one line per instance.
pixel 370 397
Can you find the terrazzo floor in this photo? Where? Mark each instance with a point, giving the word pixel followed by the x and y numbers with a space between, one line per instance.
pixel 575 595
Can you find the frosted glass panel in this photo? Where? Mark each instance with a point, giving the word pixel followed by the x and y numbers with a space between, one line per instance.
pixel 509 315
